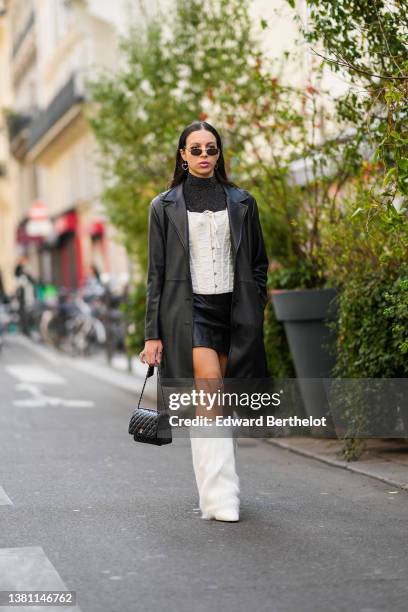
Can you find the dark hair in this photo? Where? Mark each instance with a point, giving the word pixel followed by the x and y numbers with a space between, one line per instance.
pixel 180 174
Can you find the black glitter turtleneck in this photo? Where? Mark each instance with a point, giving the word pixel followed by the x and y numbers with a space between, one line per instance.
pixel 203 193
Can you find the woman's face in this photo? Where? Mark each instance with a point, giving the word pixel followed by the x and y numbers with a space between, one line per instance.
pixel 203 164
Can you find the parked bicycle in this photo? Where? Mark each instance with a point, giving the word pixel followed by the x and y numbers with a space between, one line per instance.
pixel 72 324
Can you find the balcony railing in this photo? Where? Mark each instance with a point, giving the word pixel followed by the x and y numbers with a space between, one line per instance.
pixel 65 99
pixel 16 123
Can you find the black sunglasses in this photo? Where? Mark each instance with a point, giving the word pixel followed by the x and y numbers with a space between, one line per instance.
pixel 197 150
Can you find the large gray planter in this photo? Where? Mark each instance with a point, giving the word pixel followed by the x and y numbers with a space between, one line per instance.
pixel 304 314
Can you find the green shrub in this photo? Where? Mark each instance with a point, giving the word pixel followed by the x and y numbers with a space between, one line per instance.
pixel 277 350
pixel 134 311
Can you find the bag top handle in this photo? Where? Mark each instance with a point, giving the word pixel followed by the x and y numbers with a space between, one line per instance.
pixel 150 371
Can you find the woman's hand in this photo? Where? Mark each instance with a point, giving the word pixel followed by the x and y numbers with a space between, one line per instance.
pixel 152 352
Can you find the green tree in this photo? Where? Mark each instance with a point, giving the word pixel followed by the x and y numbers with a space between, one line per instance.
pixel 366 42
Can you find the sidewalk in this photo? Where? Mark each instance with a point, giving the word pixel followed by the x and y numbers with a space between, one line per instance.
pixel 385 460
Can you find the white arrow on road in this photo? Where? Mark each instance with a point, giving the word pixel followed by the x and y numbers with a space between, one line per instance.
pixel 38 399
pixel 4 498
pixel 27 568
pixel 35 374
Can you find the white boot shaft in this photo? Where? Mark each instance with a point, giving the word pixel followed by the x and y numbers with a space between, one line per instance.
pixel 216 477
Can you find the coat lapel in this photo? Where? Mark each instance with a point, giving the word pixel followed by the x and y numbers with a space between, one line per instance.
pixel 176 210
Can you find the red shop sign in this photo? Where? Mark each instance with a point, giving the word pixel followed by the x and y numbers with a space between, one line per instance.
pixel 66 223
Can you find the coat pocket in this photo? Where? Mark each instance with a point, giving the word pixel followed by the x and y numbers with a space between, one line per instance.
pixel 253 310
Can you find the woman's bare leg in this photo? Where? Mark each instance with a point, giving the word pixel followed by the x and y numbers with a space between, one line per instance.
pixel 209 370
pixel 208 374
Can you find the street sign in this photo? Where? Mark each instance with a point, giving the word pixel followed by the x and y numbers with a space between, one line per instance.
pixel 38 222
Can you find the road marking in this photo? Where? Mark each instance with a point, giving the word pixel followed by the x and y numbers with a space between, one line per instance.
pixel 35 374
pixel 28 568
pixel 127 382
pixel 38 399
pixel 4 498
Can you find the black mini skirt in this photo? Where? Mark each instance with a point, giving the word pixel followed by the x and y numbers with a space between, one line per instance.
pixel 212 320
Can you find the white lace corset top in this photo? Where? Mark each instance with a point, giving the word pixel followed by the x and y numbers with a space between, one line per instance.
pixel 211 262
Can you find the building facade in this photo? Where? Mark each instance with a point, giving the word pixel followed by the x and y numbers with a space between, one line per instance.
pixel 7 167
pixel 54 46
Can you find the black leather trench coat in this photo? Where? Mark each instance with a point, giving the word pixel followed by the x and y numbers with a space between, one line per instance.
pixel 169 303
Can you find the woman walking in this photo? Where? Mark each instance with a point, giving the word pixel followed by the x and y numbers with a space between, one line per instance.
pixel 206 293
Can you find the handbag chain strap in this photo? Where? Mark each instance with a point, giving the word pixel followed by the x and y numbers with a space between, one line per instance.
pixel 149 373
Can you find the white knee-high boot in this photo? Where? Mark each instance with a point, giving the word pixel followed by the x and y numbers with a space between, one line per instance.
pixel 216 476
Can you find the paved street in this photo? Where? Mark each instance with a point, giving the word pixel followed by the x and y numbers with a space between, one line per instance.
pixel 83 507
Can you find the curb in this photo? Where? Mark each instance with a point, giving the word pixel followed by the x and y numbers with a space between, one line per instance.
pixel 339 464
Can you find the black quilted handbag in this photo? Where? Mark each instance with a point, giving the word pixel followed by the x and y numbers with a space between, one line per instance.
pixel 150 426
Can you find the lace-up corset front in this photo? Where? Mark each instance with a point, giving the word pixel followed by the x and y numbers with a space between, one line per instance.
pixel 210 251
